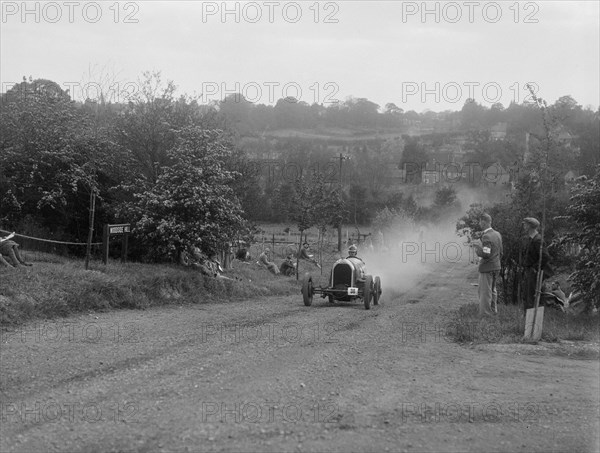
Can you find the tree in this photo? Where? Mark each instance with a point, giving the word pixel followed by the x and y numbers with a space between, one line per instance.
pixel 472 115
pixel 146 128
pixel 584 211
pixel 51 158
pixel 315 204
pixel 414 158
pixel 191 203
pixel 445 197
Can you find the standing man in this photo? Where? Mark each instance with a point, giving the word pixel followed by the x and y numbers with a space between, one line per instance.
pixel 531 259
pixel 490 251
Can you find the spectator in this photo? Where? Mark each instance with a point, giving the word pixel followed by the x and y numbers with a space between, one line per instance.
pixel 216 268
pixel 531 258
pixel 10 250
pixel 243 254
pixel 265 260
pixel 490 251
pixel 288 267
pixel 306 256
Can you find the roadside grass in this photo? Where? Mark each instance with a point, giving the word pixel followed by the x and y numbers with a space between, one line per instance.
pixel 57 287
pixel 508 326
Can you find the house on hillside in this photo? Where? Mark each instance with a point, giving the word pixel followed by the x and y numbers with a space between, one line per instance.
pixel 430 174
pixel 450 152
pixel 570 177
pixel 565 138
pixel 498 131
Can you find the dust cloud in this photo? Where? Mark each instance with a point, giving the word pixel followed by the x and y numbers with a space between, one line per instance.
pixel 410 256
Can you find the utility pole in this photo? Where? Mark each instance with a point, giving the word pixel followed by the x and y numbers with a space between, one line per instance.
pixel 91 227
pixel 342 158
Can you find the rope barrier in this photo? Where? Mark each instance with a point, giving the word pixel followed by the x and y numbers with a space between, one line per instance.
pixel 49 240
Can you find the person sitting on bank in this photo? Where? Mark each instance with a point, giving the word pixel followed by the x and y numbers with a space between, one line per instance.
pixel 9 252
pixel 288 267
pixel 265 260
pixel 306 256
pixel 242 254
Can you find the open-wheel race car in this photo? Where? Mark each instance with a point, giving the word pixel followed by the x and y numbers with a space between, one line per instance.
pixel 348 282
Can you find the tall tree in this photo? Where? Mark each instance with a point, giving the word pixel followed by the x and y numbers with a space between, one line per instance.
pixel 192 202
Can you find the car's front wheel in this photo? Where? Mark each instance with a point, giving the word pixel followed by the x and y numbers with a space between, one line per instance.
pixel 307 290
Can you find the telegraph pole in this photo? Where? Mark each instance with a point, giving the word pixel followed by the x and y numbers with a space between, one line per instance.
pixel 342 158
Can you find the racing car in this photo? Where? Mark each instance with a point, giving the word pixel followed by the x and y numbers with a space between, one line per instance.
pixel 348 282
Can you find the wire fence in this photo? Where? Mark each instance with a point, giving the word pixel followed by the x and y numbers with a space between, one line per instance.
pixel 50 250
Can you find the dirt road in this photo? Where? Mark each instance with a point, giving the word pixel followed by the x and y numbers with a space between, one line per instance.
pixel 273 375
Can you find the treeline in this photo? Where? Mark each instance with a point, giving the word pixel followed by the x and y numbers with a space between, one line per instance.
pixel 182 172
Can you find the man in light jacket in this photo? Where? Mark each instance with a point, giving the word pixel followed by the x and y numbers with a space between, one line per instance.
pixel 490 252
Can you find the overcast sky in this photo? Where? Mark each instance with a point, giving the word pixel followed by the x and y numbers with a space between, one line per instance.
pixel 317 52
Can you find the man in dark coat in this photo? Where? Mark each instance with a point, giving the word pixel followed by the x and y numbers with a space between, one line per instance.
pixel 531 256
pixel 288 268
pixel 490 251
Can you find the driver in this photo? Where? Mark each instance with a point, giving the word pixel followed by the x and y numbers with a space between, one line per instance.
pixel 358 263
pixel 353 252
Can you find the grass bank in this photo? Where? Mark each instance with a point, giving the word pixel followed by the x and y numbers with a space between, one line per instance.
pixel 508 326
pixel 57 288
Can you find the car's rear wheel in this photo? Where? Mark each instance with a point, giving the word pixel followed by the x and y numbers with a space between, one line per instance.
pixel 307 290
pixel 377 291
pixel 368 292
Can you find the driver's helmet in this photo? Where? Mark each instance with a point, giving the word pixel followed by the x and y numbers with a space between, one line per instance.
pixel 352 250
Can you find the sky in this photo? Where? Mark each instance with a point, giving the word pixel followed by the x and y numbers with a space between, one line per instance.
pixel 418 55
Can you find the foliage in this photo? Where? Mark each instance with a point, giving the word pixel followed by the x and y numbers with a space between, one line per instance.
pixel 191 202
pixel 584 212
pixel 316 204
pixel 53 151
pixel 50 157
pixel 468 225
pixel 445 205
pixel 393 222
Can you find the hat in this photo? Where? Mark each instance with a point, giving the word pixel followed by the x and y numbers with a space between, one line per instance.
pixel 531 221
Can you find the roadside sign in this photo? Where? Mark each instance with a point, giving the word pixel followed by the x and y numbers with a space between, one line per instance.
pixel 119 229
pixel 122 229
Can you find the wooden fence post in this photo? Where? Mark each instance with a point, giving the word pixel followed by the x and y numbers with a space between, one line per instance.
pixel 105 244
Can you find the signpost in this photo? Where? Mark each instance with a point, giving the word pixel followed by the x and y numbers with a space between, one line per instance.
pixel 122 229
